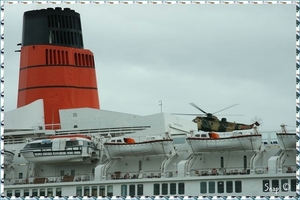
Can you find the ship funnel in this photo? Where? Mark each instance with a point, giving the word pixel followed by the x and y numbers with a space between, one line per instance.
pixel 54 66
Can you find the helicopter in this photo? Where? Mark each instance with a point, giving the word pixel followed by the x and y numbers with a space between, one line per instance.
pixel 211 123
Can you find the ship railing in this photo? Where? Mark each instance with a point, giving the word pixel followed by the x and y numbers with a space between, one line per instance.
pixel 170 174
pixel 261 170
pixel 114 132
pixel 134 175
pixel 83 177
pixel 219 171
pixel 289 169
pixel 122 175
pixel 53 179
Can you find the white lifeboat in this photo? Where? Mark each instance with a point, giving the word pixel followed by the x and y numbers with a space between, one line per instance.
pixel 60 148
pixel 237 142
pixel 126 147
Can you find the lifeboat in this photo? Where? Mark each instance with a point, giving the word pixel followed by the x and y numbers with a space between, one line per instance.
pixel 126 147
pixel 59 149
pixel 213 143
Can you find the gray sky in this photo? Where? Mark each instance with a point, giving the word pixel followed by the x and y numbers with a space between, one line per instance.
pixel 212 55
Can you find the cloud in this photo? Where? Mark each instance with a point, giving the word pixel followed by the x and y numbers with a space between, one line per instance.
pixel 212 55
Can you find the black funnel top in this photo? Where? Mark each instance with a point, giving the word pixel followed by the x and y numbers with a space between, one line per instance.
pixel 52 27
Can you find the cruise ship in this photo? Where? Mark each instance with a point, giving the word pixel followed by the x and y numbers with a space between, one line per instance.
pixel 58 142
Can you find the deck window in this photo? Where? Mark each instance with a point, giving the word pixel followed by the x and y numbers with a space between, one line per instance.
pixel 78 191
pixel 102 191
pixel 164 188
pixel 72 143
pixel 245 162
pixel 266 185
pixel 49 192
pixel 26 193
pixel 140 189
pixel 17 193
pixel 220 186
pixel 35 192
pixel 86 191
pixel 284 185
pixel 58 192
pixel 229 186
pixel 293 185
pixel 181 188
pixel 238 186
pixel 222 162
pixel 211 187
pixel 94 191
pixel 123 190
pixel 156 189
pixel 132 190
pixel 42 192
pixel 110 190
pixel 9 193
pixel 172 188
pixel 203 188
pixel 275 183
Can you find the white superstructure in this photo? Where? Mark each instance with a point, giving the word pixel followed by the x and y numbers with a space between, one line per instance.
pixel 124 154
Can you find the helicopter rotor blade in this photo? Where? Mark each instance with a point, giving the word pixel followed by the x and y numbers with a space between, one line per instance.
pixel 226 108
pixel 187 114
pixel 194 105
pixel 190 114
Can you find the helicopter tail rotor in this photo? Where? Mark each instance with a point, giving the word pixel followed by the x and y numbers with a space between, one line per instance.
pixel 257 121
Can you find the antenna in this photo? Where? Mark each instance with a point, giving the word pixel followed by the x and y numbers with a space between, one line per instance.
pixel 160 104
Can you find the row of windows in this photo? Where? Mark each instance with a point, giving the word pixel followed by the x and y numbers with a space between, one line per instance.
pixel 165 188
pixel 56 57
pixel 103 191
pixel 211 187
pixel 83 60
pixel 162 189
pixel 65 38
pixel 132 190
pixel 49 145
pixel 36 192
pixel 64 21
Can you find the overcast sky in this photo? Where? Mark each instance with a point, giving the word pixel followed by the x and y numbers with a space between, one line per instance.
pixel 211 55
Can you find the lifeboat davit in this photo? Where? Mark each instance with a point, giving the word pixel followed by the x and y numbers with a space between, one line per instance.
pixel 8 158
